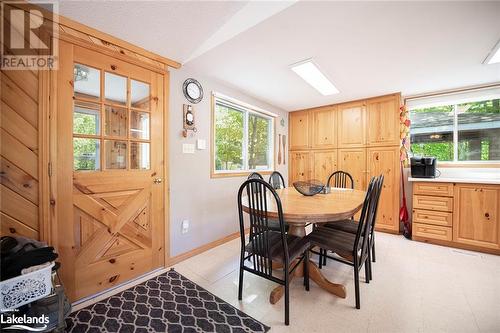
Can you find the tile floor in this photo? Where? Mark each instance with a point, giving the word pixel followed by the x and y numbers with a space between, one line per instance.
pixel 416 287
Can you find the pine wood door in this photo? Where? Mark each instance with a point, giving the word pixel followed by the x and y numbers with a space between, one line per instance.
pixel 299 131
pixel 109 170
pixel 324 132
pixel 324 164
pixel 383 121
pixel 300 166
pixel 351 118
pixel 385 161
pixel 477 215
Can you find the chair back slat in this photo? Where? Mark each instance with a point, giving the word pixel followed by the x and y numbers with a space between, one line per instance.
pixel 258 192
pixel 363 217
pixel 371 214
pixel 340 179
pixel 276 180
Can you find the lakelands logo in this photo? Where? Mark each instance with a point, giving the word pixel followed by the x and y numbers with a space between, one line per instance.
pixel 28 31
pixel 24 323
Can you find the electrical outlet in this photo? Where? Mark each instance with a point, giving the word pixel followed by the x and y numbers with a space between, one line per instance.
pixel 185 226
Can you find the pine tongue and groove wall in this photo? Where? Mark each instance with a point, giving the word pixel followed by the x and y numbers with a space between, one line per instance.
pixel 21 153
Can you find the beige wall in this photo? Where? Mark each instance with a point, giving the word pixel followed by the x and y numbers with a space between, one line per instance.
pixel 209 204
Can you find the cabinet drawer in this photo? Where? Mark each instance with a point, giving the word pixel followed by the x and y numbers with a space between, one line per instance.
pixel 433 217
pixel 430 188
pixel 432 231
pixel 443 204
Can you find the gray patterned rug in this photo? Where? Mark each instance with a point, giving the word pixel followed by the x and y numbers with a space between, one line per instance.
pixel 168 303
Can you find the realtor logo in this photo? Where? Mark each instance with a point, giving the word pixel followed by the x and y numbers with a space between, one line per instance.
pixel 27 38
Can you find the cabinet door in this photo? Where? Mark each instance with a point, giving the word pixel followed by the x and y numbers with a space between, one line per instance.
pixel 300 166
pixel 385 161
pixel 324 164
pixel 353 161
pixel 324 131
pixel 383 120
pixel 477 215
pixel 299 130
pixel 351 119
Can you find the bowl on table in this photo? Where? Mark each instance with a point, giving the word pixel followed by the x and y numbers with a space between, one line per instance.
pixel 309 187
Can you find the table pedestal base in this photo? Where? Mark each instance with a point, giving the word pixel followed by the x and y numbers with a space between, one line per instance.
pixel 314 275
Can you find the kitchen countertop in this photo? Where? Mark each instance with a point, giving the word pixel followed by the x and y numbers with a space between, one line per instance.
pixel 464 175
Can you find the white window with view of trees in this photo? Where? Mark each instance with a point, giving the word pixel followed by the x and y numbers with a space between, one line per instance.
pixel 458 127
pixel 243 138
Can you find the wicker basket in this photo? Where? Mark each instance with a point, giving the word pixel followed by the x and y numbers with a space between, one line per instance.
pixel 26 288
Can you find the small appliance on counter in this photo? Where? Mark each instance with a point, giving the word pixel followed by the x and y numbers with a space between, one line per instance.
pixel 423 167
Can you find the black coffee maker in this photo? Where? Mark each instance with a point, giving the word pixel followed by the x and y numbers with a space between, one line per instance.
pixel 423 167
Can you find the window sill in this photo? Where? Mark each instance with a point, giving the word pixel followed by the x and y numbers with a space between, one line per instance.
pixel 238 174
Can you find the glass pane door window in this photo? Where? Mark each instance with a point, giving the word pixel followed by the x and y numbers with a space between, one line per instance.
pixel 106 115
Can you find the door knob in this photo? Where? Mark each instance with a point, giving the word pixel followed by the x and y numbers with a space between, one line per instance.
pixel 157 180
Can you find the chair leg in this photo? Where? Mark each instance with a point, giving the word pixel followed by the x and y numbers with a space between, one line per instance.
pixel 356 285
pixel 325 252
pixel 372 241
pixel 287 303
pixel 240 283
pixel 369 262
pixel 320 258
pixel 306 269
pixel 367 270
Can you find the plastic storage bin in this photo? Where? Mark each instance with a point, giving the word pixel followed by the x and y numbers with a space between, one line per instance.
pixel 26 288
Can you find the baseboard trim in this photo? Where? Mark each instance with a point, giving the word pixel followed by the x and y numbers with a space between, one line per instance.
pixel 186 255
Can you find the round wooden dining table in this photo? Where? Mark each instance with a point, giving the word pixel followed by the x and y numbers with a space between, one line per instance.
pixel 300 210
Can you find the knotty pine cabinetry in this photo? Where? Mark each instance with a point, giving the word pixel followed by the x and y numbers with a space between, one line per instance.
pixel 457 214
pixel 360 137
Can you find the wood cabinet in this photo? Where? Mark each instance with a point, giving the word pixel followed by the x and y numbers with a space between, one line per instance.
pixel 299 130
pixel 353 161
pixel 352 118
pixel 459 215
pixel 324 127
pixel 324 163
pixel 383 121
pixel 300 166
pixel 359 137
pixel 385 161
pixel 477 212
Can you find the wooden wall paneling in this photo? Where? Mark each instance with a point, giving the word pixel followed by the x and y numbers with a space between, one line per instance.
pixel 352 128
pixel 18 181
pixel 19 128
pixel 324 127
pixel 17 99
pixel 383 120
pixel 12 227
pixel 385 161
pixel 17 207
pixel 14 151
pixel 44 168
pixel 324 163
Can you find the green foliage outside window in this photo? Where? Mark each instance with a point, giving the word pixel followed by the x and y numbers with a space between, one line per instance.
pixel 228 138
pixel 85 151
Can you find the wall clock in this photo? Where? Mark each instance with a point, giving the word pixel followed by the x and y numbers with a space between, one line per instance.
pixel 192 90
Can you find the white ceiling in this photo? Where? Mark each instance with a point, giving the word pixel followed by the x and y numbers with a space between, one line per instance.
pixel 365 48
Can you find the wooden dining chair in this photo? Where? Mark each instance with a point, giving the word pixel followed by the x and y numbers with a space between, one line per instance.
pixel 348 225
pixel 276 180
pixel 255 175
pixel 339 179
pixel 350 249
pixel 266 245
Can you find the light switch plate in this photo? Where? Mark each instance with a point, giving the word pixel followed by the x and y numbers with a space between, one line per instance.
pixel 201 144
pixel 185 226
pixel 188 148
